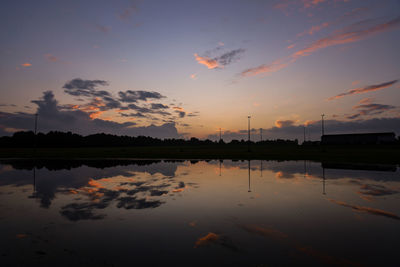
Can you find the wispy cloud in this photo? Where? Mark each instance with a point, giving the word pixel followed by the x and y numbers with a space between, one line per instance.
pixel 370 109
pixel 314 29
pixel 221 60
pixel 311 3
pixel 229 57
pixel 273 67
pixel 365 89
pixel 284 123
pixel 128 12
pixel 344 36
pixel 206 61
pixel 366 209
pixel 367 100
pixel 51 57
pixel 341 37
pixel 286 6
pixel 26 64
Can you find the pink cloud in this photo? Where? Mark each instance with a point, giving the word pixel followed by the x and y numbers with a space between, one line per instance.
pixel 311 3
pixel 337 38
pixel 273 67
pixel 361 90
pixel 206 61
pixel 284 123
pixel 366 209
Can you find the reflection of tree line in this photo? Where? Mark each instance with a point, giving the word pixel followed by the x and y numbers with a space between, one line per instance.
pixel 126 197
pixel 322 176
pixel 62 164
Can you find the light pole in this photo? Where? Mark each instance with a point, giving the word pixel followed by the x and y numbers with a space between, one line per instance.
pixel 322 116
pixel 248 130
pixel 34 137
pixel 36 115
pixel 261 134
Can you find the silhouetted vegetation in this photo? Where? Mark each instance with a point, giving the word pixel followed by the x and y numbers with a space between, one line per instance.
pixel 59 145
pixel 62 139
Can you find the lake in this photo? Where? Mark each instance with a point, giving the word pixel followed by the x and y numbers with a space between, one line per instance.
pixel 203 213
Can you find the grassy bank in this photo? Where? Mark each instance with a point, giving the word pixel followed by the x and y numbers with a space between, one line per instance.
pixel 382 154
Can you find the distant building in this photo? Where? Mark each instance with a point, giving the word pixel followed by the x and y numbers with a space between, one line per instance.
pixel 358 139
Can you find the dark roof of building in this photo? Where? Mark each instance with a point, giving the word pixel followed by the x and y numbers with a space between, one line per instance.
pixel 362 134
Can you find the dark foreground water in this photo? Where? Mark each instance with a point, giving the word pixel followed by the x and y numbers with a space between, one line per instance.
pixel 185 213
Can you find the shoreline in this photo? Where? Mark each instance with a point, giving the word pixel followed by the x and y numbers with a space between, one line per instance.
pixel 331 154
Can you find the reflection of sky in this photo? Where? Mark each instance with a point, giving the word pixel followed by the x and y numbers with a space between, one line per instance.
pixel 296 50
pixel 192 211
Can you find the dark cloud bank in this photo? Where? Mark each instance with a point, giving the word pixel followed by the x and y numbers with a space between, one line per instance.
pixel 290 131
pixel 83 118
pixel 54 117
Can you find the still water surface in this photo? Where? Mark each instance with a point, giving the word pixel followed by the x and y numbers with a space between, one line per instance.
pixel 257 213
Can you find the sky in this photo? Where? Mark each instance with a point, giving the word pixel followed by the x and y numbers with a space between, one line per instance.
pixel 181 69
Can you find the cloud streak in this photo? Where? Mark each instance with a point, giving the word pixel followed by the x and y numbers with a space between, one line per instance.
pixel 370 109
pixel 344 36
pixel 219 61
pixel 369 210
pixel 206 61
pixel 361 90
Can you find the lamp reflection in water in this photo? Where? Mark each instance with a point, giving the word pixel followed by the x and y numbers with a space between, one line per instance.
pixel 323 181
pixel 249 177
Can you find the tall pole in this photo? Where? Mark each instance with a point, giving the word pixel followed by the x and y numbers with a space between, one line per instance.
pixel 36 115
pixel 220 136
pixel 34 137
pixel 260 134
pixel 304 128
pixel 322 116
pixel 248 130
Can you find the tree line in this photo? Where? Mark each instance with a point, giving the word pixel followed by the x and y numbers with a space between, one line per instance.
pixel 69 139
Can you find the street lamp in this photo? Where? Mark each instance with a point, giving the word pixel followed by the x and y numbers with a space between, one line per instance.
pixel 248 142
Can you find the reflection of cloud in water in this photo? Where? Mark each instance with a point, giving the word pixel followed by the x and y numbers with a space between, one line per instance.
pixel 263 231
pixel 313 169
pixel 376 190
pixel 83 211
pixel 366 209
pixel 180 188
pixel 284 175
pixel 74 174
pixel 216 239
pixel 284 239
pixel 134 203
pixel 131 194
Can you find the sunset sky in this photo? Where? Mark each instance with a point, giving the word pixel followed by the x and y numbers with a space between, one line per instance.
pixel 188 68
